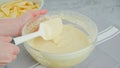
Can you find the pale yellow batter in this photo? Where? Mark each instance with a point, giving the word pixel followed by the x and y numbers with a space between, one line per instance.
pixel 71 39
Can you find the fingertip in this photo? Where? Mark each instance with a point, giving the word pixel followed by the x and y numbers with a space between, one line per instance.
pixel 43 11
pixel 40 12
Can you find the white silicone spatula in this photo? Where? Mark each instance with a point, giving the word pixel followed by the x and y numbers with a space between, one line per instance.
pixel 47 30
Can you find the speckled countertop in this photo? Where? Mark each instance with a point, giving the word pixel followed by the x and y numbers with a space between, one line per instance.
pixel 104 13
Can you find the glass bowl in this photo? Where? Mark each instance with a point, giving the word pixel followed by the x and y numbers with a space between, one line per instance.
pixel 65 60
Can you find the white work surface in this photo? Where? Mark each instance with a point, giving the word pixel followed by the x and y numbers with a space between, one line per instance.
pixel 105 13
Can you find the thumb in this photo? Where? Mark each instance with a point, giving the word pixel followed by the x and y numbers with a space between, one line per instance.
pixel 31 15
pixel 28 17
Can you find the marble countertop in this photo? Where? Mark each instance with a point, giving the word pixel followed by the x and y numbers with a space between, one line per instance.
pixel 105 13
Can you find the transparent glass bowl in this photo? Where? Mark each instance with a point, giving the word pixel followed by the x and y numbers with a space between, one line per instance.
pixel 66 60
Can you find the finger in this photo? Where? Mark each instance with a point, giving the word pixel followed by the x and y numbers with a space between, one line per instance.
pixel 40 12
pixel 16 50
pixel 31 14
pixel 2 64
pixel 5 39
pixel 9 48
pixel 29 17
pixel 37 14
pixel 6 59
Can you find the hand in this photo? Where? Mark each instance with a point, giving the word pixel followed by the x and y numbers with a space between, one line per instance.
pixel 8 51
pixel 13 27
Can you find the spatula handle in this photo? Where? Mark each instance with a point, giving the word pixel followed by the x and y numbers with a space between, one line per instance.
pixel 21 39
